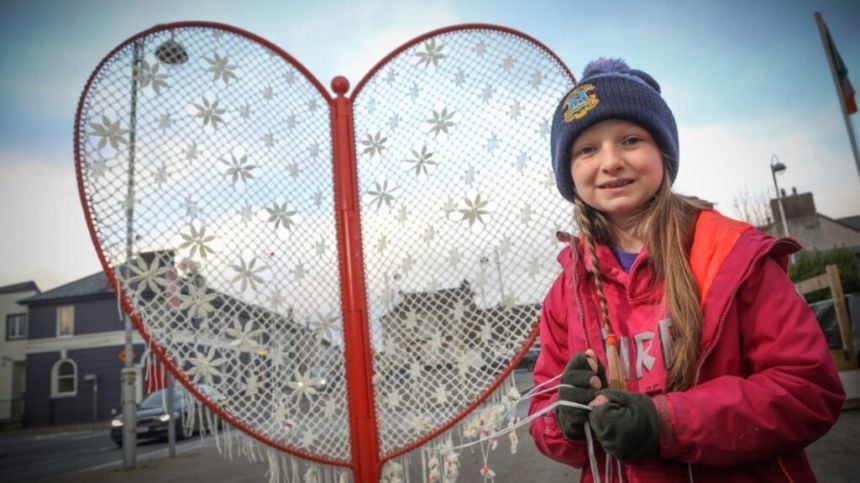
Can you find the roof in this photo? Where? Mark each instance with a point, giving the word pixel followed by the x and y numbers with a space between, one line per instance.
pixel 852 221
pixel 842 221
pixel 20 287
pixel 88 287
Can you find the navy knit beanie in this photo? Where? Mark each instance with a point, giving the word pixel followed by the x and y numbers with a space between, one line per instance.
pixel 611 90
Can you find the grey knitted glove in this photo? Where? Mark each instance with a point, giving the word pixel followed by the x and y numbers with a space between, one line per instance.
pixel 577 374
pixel 627 426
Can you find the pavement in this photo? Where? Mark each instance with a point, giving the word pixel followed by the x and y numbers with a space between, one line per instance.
pixel 835 458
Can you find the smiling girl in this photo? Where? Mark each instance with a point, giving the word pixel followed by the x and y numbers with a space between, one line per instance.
pixel 677 326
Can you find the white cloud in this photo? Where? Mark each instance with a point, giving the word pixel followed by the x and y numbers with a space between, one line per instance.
pixel 45 236
pixel 370 29
pixel 718 160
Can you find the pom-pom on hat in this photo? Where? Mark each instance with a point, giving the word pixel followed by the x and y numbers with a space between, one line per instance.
pixel 611 90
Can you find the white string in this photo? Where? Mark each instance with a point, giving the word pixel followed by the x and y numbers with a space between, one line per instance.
pixel 523 422
pixel 536 391
pixel 592 458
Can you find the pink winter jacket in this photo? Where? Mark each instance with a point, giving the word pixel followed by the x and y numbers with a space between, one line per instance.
pixel 765 384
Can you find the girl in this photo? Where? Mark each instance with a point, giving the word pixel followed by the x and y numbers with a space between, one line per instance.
pixel 677 326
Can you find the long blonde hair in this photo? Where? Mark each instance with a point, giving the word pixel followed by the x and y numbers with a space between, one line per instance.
pixel 665 225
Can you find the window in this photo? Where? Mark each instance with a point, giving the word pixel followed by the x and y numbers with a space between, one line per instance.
pixel 66 321
pixel 64 379
pixel 16 326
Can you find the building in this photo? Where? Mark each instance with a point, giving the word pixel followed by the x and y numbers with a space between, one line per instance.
pixel 76 340
pixel 13 351
pixel 75 337
pixel 813 230
pixel 431 326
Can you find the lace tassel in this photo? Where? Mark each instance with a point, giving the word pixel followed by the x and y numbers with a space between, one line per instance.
pixel 614 370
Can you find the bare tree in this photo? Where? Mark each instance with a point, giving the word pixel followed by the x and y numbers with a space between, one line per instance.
pixel 753 208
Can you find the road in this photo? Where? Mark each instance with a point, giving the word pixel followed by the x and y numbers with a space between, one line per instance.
pixel 89 455
pixel 43 456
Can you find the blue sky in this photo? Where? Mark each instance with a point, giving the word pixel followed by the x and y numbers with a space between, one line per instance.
pixel 745 80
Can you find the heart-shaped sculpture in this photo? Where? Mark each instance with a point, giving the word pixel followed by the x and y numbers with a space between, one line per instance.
pixel 224 188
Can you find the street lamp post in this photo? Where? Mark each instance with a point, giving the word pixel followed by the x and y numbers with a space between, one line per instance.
pixel 172 53
pixel 778 167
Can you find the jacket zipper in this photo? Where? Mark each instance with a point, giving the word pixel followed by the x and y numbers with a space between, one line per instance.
pixel 725 312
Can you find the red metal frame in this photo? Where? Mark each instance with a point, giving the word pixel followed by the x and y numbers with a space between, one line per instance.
pixel 366 461
pixel 356 328
pixel 518 357
pixel 126 305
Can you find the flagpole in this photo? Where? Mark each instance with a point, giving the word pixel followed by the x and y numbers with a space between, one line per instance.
pixel 822 29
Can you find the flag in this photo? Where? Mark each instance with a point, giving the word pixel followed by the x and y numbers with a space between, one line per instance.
pixel 842 73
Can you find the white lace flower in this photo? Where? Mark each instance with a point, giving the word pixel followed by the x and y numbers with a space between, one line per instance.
pixel 321 247
pixel 421 160
pixel 292 122
pixel 239 169
pixel 220 68
pixel 505 246
pixel 440 394
pixel 526 214
pixel 459 310
pixel 280 216
pixel 460 78
pixel 197 240
pixel 374 144
pixel 408 263
pixel 109 132
pixel 469 175
pixel 420 424
pixel 469 360
pixel 508 63
pixel 205 367
pixel 537 79
pixel 515 109
pixel 269 139
pixel 276 300
pixel 393 399
pixel 245 111
pixel 198 301
pixel 210 113
pixel 432 54
pixel 330 407
pixel 192 152
pixel 244 337
pixel 474 210
pixel 480 48
pixel 98 168
pixel 534 267
pixel 454 257
pixel 381 194
pixel 147 76
pixel 487 93
pixel 150 276
pixel 410 323
pixel 303 386
pixel 307 440
pixel 325 325
pixel 441 121
pixel 248 274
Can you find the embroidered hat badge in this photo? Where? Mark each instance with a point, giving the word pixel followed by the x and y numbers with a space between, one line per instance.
pixel 579 102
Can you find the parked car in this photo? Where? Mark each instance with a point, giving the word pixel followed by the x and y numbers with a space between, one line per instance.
pixel 527 363
pixel 152 416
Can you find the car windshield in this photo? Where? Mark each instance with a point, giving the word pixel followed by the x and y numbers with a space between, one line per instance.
pixel 159 399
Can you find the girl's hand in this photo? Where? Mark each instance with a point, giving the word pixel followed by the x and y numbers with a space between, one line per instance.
pixel 626 424
pixel 580 381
